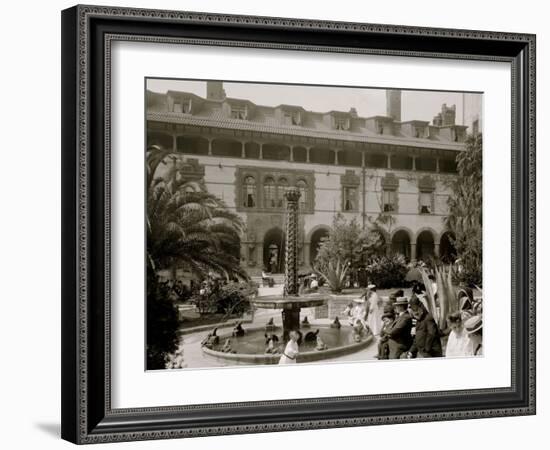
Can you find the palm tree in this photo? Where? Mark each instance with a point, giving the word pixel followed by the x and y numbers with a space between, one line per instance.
pixel 188 227
pixel 465 209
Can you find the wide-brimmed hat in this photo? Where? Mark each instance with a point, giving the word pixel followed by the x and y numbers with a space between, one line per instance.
pixel 464 303
pixel 371 286
pixel 473 324
pixel 359 300
pixel 402 301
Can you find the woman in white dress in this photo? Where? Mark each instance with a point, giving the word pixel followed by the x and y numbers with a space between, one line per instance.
pixel 375 310
pixel 459 342
pixel 291 350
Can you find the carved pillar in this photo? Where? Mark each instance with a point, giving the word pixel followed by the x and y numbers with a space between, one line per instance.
pixel 292 196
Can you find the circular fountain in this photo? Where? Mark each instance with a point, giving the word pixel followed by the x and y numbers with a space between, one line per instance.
pixel 251 348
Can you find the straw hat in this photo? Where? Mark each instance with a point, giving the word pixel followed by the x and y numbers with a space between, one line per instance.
pixel 473 324
pixel 359 300
pixel 402 301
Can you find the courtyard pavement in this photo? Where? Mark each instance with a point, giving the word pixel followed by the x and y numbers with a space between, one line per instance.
pixel 195 359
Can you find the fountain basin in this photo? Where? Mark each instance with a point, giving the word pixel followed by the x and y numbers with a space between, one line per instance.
pixel 250 348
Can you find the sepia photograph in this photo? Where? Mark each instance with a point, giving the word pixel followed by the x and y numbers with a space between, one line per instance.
pixel 295 224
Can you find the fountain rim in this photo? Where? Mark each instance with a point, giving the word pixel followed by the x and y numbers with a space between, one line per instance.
pixel 290 301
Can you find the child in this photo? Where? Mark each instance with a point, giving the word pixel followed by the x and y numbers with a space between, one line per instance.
pixel 383 348
pixel 459 343
pixel 291 350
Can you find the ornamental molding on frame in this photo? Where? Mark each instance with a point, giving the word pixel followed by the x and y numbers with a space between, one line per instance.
pixel 284 22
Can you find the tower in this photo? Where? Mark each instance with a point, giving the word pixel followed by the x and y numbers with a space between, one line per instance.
pixel 393 104
pixel 214 90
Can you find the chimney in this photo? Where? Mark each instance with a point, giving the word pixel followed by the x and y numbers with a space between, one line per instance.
pixel 393 104
pixel 214 90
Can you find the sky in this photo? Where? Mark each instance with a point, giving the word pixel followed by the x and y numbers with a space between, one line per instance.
pixel 418 105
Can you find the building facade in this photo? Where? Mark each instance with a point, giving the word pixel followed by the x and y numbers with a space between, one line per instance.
pixel 361 167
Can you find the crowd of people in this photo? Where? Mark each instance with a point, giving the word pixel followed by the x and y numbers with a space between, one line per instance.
pixel 405 328
pixel 409 330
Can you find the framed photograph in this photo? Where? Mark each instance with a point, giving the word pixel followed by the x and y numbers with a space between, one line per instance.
pixel 279 224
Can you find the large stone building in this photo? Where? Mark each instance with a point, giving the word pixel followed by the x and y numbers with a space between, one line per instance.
pixel 248 154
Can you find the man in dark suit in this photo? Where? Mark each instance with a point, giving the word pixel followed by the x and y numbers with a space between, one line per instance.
pixel 427 343
pixel 400 338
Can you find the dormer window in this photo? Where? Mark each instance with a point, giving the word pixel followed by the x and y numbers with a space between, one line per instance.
pixel 239 112
pixel 341 123
pixel 292 118
pixel 182 106
pixel 419 132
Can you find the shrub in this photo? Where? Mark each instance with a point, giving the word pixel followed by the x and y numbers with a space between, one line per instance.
pixel 234 298
pixel 229 299
pixel 334 275
pixel 386 272
pixel 162 323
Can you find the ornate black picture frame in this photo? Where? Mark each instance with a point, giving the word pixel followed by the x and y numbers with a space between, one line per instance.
pixel 87 35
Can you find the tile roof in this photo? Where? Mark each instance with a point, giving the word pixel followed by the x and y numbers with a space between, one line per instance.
pixel 264 121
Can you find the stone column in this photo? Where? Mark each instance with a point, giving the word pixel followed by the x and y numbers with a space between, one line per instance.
pixel 437 165
pixel 436 249
pixel 389 161
pixel 413 251
pixel 307 255
pixel 174 143
pixel 291 153
pixel 261 155
pixel 414 163
pixel 292 196
pixel 210 147
pixel 243 147
pixel 307 154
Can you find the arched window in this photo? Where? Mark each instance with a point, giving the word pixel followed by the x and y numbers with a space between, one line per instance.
pixel 282 187
pixel 269 193
pixel 249 192
pixel 302 187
